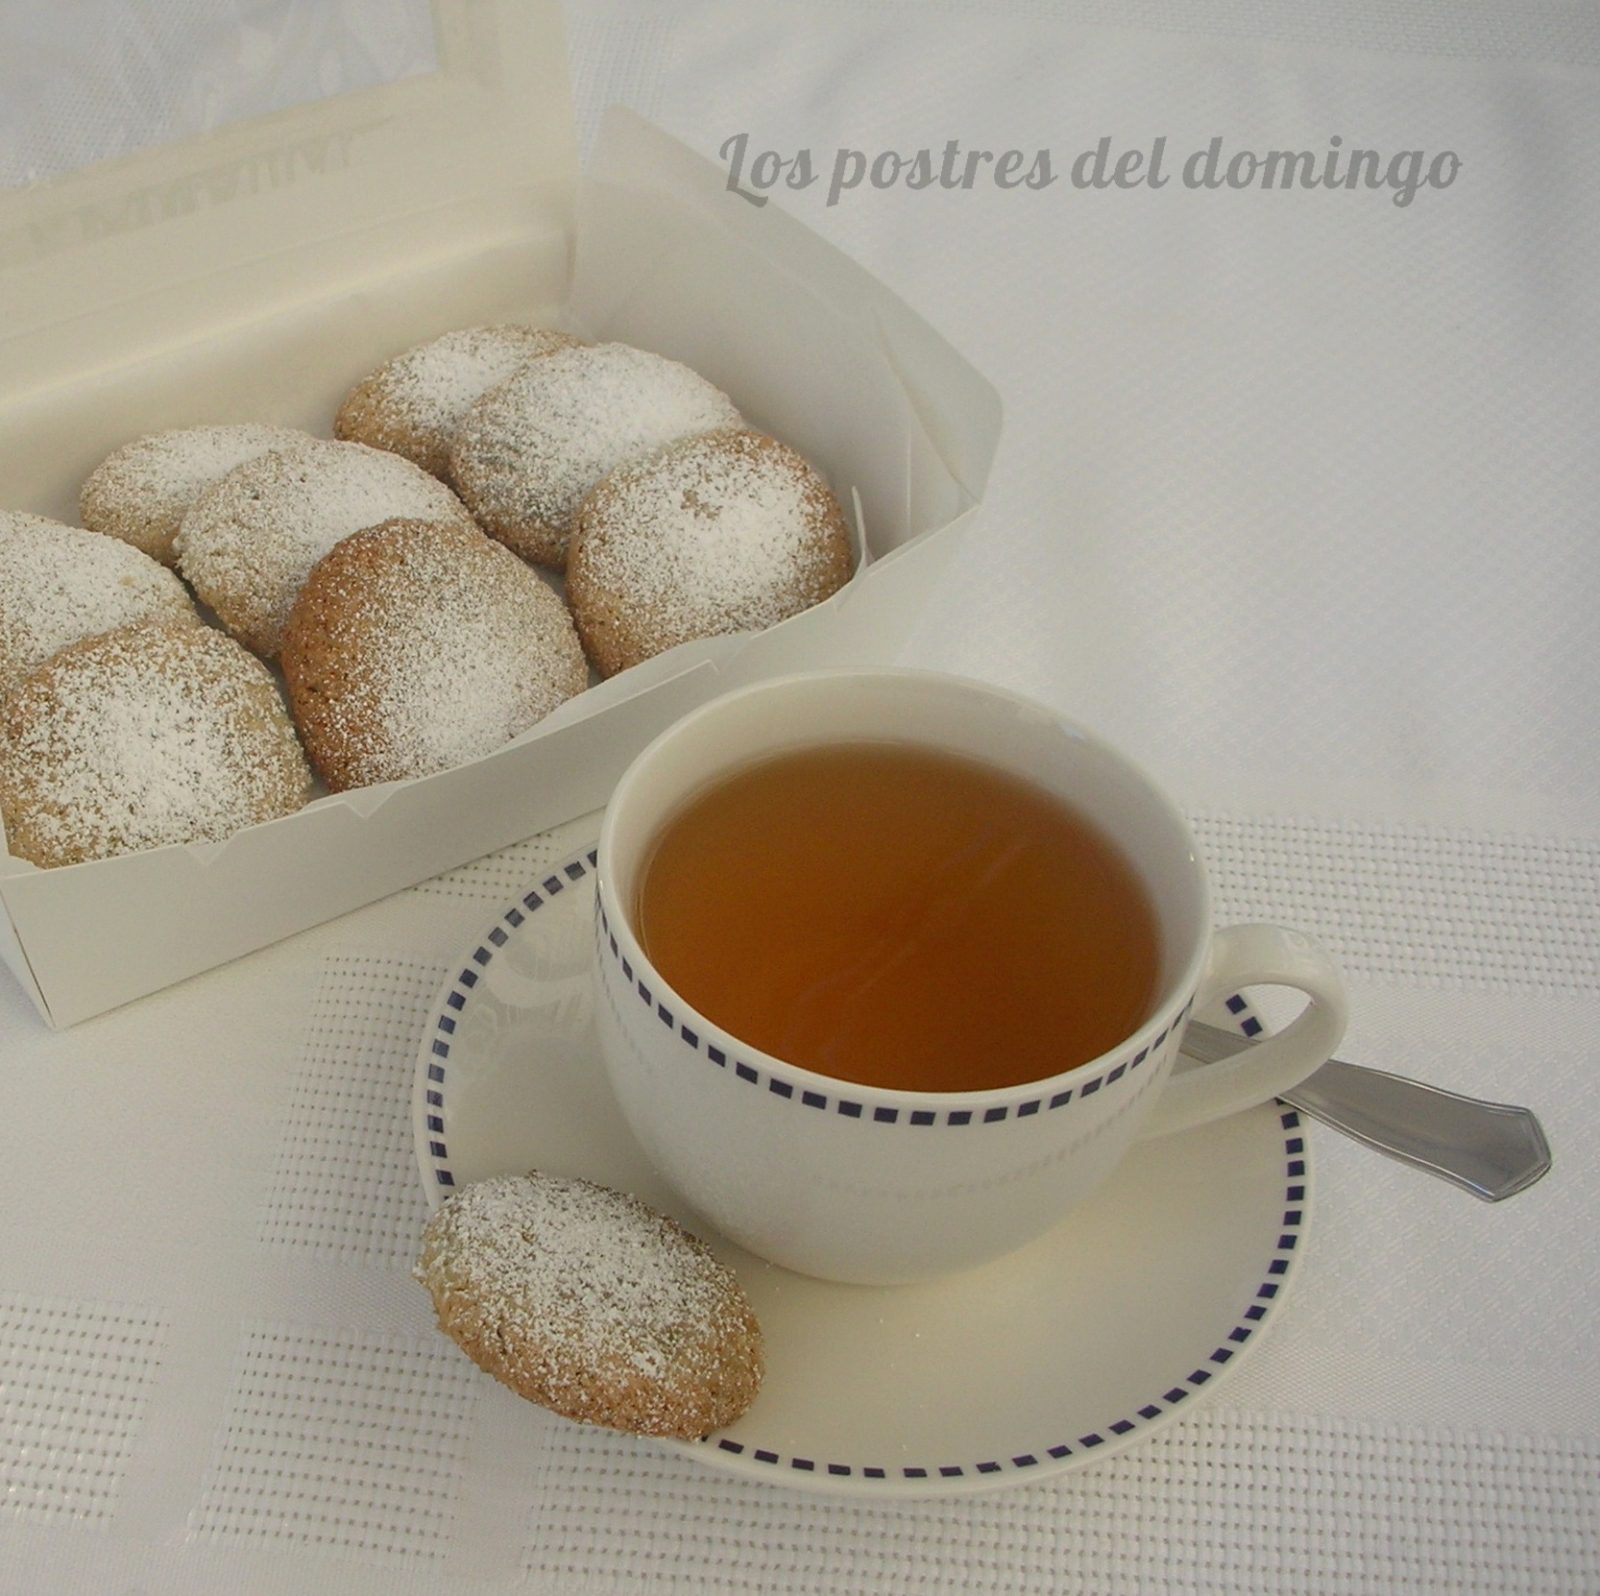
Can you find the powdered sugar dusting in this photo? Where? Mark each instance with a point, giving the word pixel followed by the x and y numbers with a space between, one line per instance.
pixel 469 671
pixel 147 736
pixel 61 584
pixel 416 648
pixel 723 533
pixel 250 542
pixel 429 388
pixel 593 1298
pixel 528 451
pixel 142 492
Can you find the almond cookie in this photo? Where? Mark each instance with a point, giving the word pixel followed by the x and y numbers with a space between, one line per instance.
pixel 150 735
pixel 529 450
pixel 142 491
pixel 60 584
pixel 727 532
pixel 412 403
pixel 586 1301
pixel 414 647
pixel 251 541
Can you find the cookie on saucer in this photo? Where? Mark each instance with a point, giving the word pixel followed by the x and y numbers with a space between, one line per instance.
pixel 587 1301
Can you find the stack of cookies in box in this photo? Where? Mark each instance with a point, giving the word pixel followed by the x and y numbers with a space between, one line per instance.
pixel 500 511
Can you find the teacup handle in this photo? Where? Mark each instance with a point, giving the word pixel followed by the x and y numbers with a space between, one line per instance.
pixel 1258 955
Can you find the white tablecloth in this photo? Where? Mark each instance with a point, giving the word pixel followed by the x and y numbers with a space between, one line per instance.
pixel 1296 500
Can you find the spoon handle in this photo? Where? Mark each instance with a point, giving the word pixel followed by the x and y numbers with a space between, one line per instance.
pixel 1493 1150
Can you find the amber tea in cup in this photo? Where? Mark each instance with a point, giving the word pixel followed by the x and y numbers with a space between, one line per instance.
pixel 834 909
pixel 900 916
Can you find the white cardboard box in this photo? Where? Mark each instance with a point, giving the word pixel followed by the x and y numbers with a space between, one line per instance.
pixel 255 273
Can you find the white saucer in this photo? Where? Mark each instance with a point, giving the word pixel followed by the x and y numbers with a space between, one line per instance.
pixel 1088 1339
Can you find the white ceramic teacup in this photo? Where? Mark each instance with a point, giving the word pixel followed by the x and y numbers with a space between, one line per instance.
pixel 859 1183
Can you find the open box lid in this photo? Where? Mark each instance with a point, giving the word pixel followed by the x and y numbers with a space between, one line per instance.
pixel 102 264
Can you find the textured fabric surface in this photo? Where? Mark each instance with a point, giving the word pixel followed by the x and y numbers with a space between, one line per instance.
pixel 1295 501
pixel 102 78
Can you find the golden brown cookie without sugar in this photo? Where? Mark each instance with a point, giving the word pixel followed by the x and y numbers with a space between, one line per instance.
pixel 250 542
pixel 412 403
pixel 60 584
pixel 528 451
pixel 727 532
pixel 589 1302
pixel 150 735
pixel 141 492
pixel 415 647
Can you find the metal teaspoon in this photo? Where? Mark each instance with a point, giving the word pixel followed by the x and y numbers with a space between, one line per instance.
pixel 1493 1150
